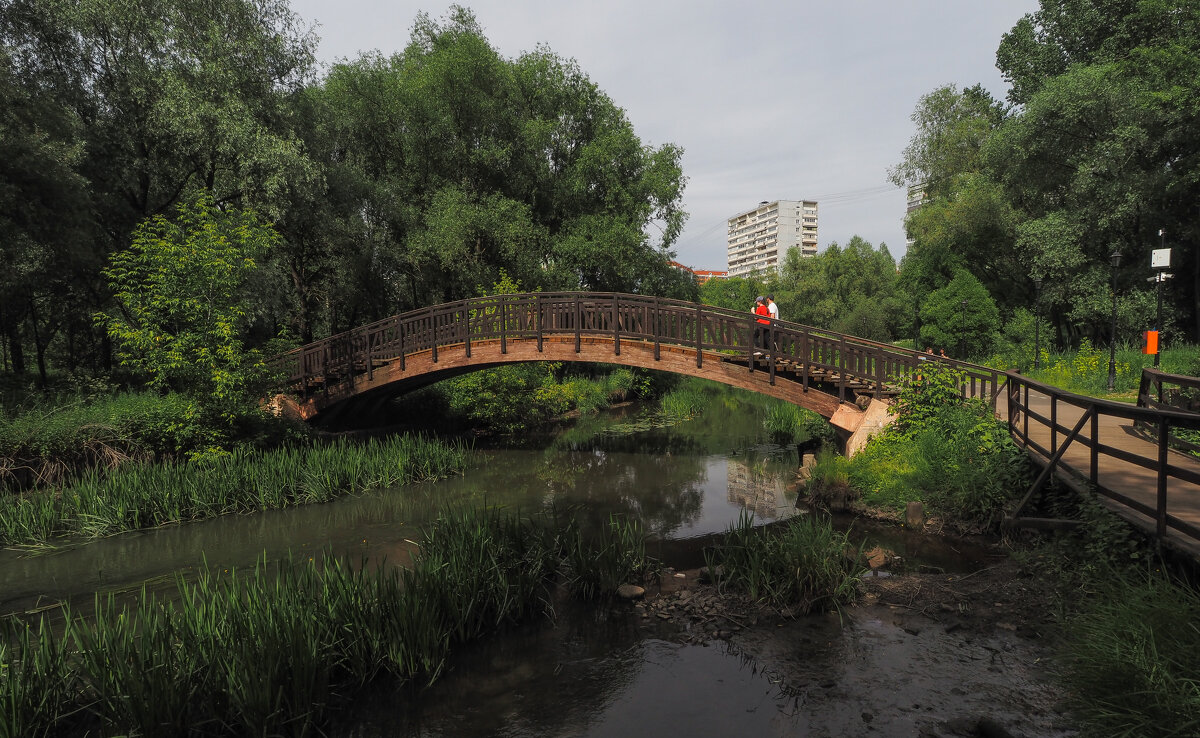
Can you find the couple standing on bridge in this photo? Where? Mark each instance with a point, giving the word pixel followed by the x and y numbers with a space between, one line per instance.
pixel 766 310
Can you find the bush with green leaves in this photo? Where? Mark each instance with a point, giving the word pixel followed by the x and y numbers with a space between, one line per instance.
pixel 182 286
pixel 945 450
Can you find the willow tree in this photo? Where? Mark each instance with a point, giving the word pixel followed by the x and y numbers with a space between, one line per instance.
pixel 453 162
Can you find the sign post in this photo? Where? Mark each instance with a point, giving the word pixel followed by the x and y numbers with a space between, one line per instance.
pixel 1160 261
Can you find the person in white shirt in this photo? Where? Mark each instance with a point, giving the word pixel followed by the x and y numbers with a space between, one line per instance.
pixel 772 307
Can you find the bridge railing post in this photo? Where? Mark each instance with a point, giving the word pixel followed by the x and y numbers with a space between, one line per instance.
pixel 699 336
pixel 657 327
pixel 1163 433
pixel 466 329
pixel 616 319
pixel 538 307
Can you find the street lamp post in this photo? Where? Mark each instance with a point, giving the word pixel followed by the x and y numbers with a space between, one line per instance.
pixel 1115 260
pixel 1158 280
pixel 1037 323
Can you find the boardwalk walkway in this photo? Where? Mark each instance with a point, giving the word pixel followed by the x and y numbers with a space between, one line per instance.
pixel 1154 487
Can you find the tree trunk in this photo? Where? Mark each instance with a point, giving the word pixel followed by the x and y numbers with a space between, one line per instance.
pixel 13 334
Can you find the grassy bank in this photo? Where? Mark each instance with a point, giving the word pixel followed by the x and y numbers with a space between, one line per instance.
pixel 1132 657
pixel 145 496
pixel 945 451
pixel 55 440
pixel 1085 370
pixel 278 649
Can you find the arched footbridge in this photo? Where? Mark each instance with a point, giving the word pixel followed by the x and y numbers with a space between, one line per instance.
pixel 819 370
pixel 1127 454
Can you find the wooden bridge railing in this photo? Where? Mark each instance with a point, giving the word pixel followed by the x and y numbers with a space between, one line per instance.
pixel 1162 391
pixel 615 316
pixel 1063 430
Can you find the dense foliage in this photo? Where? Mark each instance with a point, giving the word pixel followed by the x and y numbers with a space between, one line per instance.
pixel 1095 152
pixel 391 181
pixel 946 451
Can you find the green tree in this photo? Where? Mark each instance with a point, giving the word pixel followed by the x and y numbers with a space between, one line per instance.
pixel 1103 153
pixel 960 318
pixel 453 162
pixel 145 101
pixel 850 289
pixel 735 293
pixel 183 304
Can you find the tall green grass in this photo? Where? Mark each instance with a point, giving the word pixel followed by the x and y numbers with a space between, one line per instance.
pixel 788 423
pixel 54 441
pixel 1131 658
pixel 1085 370
pixel 144 496
pixel 600 562
pixel 801 563
pixel 274 650
pixel 690 398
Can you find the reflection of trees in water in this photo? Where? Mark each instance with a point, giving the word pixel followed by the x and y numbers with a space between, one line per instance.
pixel 663 491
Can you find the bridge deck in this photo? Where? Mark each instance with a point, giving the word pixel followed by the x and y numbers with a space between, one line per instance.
pixel 1130 481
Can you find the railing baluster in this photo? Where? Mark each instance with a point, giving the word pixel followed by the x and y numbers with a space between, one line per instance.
pixel 466 330
pixel 616 318
pixel 657 327
pixel 1163 438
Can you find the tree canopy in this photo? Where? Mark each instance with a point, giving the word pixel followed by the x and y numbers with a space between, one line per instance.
pixel 393 181
pixel 1094 154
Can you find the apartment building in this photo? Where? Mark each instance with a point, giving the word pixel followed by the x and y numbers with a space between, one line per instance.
pixel 916 199
pixel 758 238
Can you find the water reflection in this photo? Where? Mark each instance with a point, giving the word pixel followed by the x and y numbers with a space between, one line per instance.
pixel 683 481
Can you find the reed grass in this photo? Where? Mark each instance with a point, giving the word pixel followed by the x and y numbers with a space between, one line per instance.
pixel 599 563
pixel 1131 658
pixel 788 423
pixel 689 399
pixel 146 496
pixel 802 563
pixel 276 649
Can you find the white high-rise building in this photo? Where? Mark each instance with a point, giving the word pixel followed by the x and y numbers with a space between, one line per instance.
pixel 759 237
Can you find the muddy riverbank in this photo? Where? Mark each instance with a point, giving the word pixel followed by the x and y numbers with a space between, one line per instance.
pixel 928 655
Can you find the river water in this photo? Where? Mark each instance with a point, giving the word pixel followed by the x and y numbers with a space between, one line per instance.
pixel 593 671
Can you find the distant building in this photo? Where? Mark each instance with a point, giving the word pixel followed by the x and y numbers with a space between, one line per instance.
pixel 703 275
pixel 916 198
pixel 757 238
pixel 700 275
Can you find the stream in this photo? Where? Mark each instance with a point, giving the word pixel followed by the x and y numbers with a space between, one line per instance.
pixel 606 671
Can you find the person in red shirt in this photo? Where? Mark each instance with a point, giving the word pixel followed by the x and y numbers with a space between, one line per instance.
pixel 764 318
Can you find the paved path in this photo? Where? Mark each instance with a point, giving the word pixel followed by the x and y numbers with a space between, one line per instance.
pixel 1124 477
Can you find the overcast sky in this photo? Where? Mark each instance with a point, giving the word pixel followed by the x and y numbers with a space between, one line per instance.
pixel 769 100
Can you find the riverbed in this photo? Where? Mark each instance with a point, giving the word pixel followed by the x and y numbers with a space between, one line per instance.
pixel 879 668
